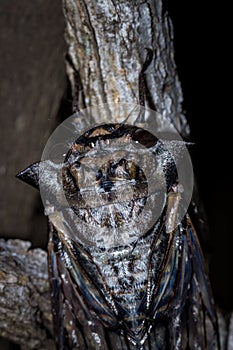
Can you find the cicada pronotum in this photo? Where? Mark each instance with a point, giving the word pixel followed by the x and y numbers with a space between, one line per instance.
pixel 121 279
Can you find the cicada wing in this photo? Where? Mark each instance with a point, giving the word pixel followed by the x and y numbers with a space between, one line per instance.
pixel 66 306
pixel 200 221
pixel 82 318
pixel 74 324
pixel 202 311
pixel 183 298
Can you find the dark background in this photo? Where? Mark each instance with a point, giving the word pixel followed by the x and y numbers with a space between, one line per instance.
pixel 33 82
pixel 202 61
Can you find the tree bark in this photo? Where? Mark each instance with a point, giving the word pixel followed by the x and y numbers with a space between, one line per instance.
pixel 25 311
pixel 107 43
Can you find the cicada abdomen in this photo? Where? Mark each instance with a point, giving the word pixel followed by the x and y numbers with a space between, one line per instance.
pixel 124 273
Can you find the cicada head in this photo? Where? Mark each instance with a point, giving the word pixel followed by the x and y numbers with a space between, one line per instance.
pixel 115 179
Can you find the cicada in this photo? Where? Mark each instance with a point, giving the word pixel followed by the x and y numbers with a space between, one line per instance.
pixel 121 279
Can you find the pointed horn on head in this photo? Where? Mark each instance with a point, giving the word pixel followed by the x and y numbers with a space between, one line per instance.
pixel 30 175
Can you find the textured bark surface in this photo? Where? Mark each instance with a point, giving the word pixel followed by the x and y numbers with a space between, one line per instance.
pixel 107 42
pixel 25 311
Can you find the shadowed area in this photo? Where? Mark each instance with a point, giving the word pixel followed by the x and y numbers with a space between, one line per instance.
pixel 33 81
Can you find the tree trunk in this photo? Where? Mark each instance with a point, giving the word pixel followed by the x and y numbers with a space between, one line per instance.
pixel 107 45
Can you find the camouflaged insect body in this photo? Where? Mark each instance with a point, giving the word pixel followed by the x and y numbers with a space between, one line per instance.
pixel 118 279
